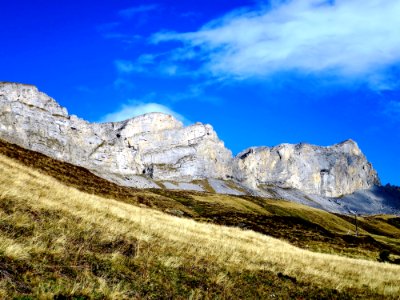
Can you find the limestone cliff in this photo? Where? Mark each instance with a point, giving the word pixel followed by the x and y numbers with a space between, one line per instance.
pixel 154 148
pixel 328 171
pixel 135 152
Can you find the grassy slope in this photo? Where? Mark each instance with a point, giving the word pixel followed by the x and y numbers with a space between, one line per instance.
pixel 302 226
pixel 56 240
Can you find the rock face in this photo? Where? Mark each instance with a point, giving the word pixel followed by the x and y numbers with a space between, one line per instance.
pixel 328 171
pixel 135 152
pixel 155 147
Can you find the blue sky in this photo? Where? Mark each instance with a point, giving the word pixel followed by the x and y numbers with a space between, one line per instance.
pixel 261 72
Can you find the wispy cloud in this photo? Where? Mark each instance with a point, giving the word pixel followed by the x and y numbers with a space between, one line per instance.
pixel 151 64
pixel 112 31
pixel 137 108
pixel 140 65
pixel 351 38
pixel 194 92
pixel 131 11
pixel 124 66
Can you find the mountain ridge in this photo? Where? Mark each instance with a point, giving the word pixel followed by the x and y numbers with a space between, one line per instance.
pixel 156 151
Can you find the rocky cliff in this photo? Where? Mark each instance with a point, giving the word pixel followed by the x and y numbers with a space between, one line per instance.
pixel 155 149
pixel 328 171
pixel 136 152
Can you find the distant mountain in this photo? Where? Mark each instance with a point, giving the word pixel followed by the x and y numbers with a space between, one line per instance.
pixel 157 151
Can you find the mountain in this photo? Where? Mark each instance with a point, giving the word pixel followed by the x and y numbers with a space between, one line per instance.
pixel 157 151
pixel 328 171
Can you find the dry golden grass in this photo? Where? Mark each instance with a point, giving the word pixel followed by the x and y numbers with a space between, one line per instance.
pixel 305 227
pixel 234 203
pixel 329 221
pixel 380 223
pixel 174 241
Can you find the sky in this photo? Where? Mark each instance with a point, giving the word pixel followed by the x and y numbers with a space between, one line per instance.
pixel 261 72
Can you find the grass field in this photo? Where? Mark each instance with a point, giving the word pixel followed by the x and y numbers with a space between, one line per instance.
pixel 63 234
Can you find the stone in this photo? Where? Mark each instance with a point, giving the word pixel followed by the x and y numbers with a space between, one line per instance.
pixel 328 171
pixel 156 147
pixel 222 187
pixel 136 152
pixel 185 186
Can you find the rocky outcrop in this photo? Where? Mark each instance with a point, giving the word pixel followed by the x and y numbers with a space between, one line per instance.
pixel 328 171
pixel 136 152
pixel 156 148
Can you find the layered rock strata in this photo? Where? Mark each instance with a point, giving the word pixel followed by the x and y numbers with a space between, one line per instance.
pixel 134 152
pixel 153 148
pixel 328 171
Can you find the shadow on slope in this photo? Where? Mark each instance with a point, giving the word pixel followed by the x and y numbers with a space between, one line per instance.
pixel 380 199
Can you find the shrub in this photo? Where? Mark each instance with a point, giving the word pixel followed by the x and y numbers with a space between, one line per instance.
pixel 384 256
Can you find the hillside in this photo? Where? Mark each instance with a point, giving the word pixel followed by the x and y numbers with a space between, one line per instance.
pixel 66 232
pixel 299 224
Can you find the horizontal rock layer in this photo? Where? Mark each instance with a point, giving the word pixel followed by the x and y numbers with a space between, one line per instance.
pixel 154 148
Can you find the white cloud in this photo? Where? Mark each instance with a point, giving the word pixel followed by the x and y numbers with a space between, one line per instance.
pixel 131 11
pixel 353 38
pixel 136 108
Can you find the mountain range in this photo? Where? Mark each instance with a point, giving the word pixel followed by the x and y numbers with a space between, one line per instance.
pixel 157 151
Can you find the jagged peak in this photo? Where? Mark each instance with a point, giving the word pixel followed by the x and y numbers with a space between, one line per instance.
pixel 350 142
pixel 347 146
